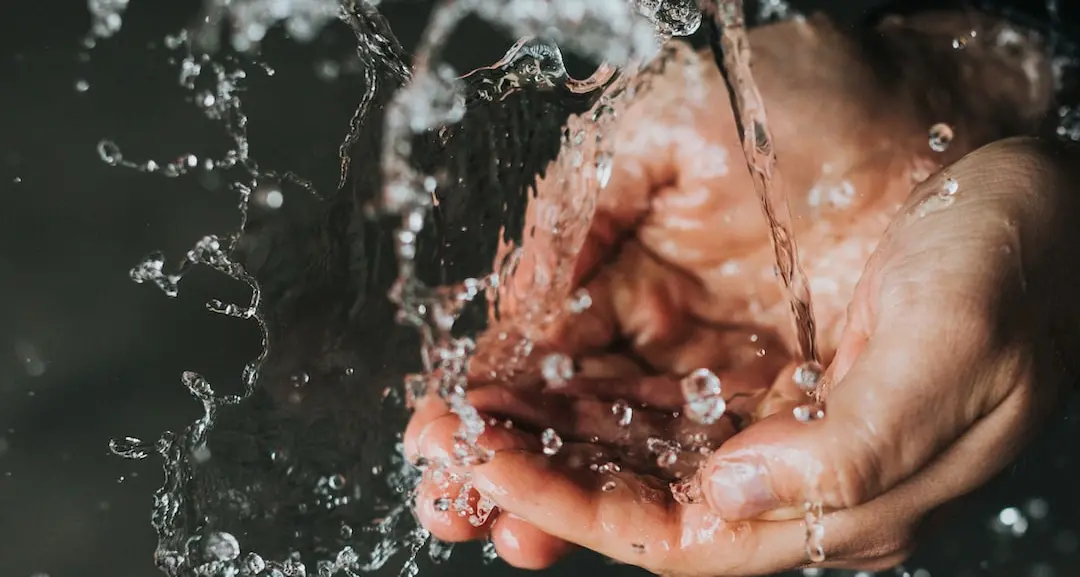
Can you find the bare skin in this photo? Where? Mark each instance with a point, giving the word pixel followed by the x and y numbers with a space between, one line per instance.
pixel 940 314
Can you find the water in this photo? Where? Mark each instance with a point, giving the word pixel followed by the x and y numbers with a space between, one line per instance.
pixel 204 491
pixel 433 97
pixel 704 400
pixel 287 460
pixel 731 46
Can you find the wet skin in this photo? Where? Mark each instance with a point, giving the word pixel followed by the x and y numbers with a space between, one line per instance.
pixel 941 317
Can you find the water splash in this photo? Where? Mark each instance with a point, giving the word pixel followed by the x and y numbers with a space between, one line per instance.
pixel 106 19
pixel 200 494
pixel 611 32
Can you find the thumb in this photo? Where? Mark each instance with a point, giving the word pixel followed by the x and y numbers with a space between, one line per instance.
pixel 905 398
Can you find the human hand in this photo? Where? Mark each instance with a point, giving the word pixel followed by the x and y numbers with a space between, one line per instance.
pixel 679 270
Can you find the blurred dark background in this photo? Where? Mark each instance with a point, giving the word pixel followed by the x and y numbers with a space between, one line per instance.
pixel 86 355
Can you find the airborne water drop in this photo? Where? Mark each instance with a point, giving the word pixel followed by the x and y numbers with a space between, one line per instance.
pixel 702 395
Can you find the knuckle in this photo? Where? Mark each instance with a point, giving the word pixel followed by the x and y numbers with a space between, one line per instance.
pixel 855 473
pixel 888 548
pixel 850 487
pixel 436 440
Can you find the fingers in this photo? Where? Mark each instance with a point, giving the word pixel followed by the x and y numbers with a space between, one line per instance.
pixel 522 545
pixel 455 512
pixel 636 521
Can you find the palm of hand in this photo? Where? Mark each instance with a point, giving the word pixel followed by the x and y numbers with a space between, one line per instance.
pixel 680 272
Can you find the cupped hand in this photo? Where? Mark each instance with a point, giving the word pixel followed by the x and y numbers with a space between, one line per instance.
pixel 941 346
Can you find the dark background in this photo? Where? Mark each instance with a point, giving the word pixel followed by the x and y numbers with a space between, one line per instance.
pixel 86 355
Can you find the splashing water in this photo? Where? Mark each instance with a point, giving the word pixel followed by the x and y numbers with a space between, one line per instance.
pixel 611 32
pixel 204 505
pixel 202 494
pixel 106 18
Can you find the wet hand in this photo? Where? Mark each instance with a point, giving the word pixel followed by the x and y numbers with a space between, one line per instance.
pixel 679 271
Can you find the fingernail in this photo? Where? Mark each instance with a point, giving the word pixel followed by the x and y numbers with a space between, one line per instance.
pixel 740 490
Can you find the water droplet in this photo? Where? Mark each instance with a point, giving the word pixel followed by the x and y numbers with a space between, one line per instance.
pixel 269 197
pixel 604 165
pixel 774 10
pixel 808 413
pixel 606 468
pixel 81 85
pixel 609 486
pixel 416 388
pixel 106 18
pixel 623 412
pixel 109 152
pixel 701 392
pixel 221 546
pixel 807 376
pixel 442 504
pixel 815 532
pixel 580 301
pixel 327 70
pixel 201 454
pixel 1011 521
pixel 551 441
pixel 254 563
pixel 672 17
pixel 336 482
pixel 488 553
pixel 941 136
pixel 198 385
pixel 484 507
pixel 950 187
pixel 1037 508
pixel 961 42
pixel 687 491
pixel 667 452
pixel 667 459
pixel 130 448
pixel 33 362
pixel 557 369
